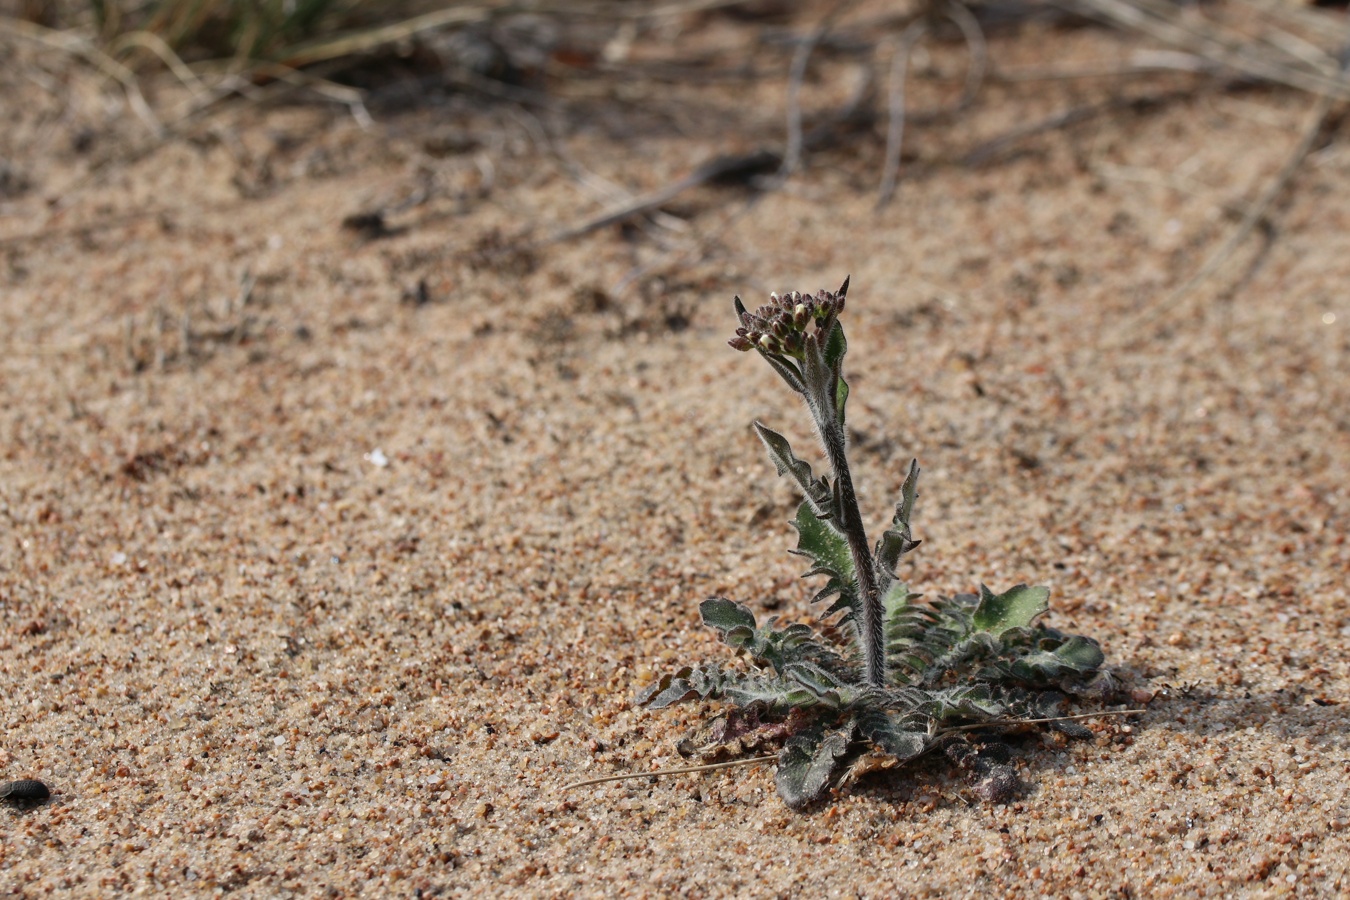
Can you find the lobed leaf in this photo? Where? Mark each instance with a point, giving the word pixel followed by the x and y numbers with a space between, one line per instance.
pixel 668 690
pixel 898 539
pixel 768 645
pixel 893 735
pixel 809 761
pixel 1014 608
pixel 825 546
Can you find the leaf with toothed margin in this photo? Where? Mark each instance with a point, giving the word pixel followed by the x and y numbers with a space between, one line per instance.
pixel 817 490
pixel 1014 608
pixel 893 736
pixel 898 539
pixel 668 690
pixel 822 543
pixel 809 761
pixel 770 644
pixel 893 604
pixel 1076 656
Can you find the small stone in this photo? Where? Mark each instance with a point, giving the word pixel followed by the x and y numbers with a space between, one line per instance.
pixel 999 786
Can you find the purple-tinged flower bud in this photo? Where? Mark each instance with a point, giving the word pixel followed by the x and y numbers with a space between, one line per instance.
pixel 769 344
pixel 740 342
pixel 793 343
pixel 800 316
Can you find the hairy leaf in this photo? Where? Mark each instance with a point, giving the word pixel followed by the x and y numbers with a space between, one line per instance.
pixel 836 345
pixel 769 645
pixel 817 490
pixel 769 692
pixel 1014 608
pixel 726 615
pixel 668 690
pixel 808 762
pixel 787 370
pixel 825 546
pixel 894 736
pixel 1077 656
pixel 898 540
pixel 1081 654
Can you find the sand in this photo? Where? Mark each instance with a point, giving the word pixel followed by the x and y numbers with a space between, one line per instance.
pixel 329 557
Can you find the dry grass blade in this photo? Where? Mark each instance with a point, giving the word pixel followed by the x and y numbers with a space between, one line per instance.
pixel 792 155
pixel 752 761
pixel 71 43
pixel 895 130
pixel 1254 215
pixel 1265 59
pixel 1014 723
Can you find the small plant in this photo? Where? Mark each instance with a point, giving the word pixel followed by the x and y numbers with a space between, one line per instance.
pixel 894 676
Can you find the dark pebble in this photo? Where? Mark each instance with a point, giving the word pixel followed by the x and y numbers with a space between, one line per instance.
pixel 26 789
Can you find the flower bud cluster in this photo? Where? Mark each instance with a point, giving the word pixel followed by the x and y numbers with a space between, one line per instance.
pixel 783 325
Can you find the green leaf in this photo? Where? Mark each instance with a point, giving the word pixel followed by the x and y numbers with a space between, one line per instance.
pixel 894 737
pixel 1015 608
pixel 1081 654
pixel 819 541
pixel 808 762
pixel 787 370
pixel 826 689
pixel 836 345
pixel 893 602
pixel 898 540
pixel 817 490
pixel 840 397
pixel 724 614
pixel 822 542
pixel 668 690
pixel 768 691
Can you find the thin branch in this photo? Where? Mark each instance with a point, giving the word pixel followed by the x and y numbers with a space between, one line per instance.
pixel 1258 210
pixel 752 761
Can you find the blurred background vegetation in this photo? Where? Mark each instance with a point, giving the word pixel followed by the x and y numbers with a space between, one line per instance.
pixel 213 29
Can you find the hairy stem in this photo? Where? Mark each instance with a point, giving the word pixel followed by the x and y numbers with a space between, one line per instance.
pixel 870 629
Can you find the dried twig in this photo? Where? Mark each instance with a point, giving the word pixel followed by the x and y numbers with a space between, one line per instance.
pixel 1274 60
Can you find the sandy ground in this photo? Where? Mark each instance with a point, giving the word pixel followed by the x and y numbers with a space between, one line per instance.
pixel 311 588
